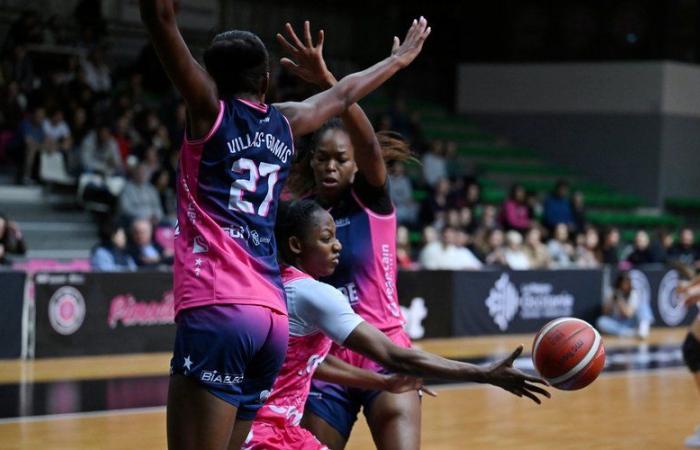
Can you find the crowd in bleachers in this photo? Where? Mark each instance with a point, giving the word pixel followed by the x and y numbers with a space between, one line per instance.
pixel 69 118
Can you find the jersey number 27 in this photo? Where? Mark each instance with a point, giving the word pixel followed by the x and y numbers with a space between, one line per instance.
pixel 250 184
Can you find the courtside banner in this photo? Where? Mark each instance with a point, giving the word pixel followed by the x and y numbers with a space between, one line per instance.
pixel 426 303
pixel 505 302
pixel 656 285
pixel 103 313
pixel 11 306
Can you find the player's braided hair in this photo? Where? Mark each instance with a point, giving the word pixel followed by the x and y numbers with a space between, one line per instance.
pixel 294 218
pixel 301 177
pixel 238 62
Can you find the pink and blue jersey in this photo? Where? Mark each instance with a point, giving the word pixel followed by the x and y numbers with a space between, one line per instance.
pixel 318 316
pixel 366 273
pixel 228 186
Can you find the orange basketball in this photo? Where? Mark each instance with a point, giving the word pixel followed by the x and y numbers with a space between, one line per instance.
pixel 568 353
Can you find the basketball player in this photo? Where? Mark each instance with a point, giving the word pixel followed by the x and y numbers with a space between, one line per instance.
pixel 345 172
pixel 319 313
pixel 232 327
pixel 689 290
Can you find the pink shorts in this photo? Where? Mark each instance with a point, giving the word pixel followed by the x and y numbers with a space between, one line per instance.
pixel 267 436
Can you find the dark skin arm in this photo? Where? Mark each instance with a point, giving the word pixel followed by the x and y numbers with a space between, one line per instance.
pixel 309 115
pixel 191 80
pixel 309 65
pixel 334 370
pixel 372 343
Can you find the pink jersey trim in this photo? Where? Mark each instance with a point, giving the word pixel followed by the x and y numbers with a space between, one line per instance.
pixel 259 106
pixel 372 213
pixel 291 134
pixel 291 273
pixel 217 124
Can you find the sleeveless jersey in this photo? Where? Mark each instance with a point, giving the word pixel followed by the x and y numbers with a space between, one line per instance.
pixel 366 273
pixel 317 313
pixel 228 186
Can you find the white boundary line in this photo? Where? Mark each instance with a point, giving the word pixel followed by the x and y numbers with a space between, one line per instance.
pixel 80 415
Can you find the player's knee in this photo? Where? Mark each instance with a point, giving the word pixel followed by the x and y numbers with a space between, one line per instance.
pixel 691 353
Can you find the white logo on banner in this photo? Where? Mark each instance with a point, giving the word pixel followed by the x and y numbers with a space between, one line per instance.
pixel 670 304
pixel 66 310
pixel 415 314
pixel 640 283
pixel 535 301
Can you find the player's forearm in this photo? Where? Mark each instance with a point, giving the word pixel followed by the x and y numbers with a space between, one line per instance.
pixel 355 86
pixel 333 370
pixel 423 364
pixel 154 12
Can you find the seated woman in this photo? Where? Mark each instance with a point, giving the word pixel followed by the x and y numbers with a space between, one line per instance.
pixel 320 314
pixel 624 313
pixel 110 254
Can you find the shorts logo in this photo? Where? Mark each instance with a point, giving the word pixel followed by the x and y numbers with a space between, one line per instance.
pixel 214 377
pixel 264 395
pixel 66 310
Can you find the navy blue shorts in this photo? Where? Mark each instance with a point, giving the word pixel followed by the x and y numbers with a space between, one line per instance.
pixel 234 351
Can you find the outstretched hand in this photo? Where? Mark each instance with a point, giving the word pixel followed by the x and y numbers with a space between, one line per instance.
pixel 304 59
pixel 398 384
pixel 504 375
pixel 412 45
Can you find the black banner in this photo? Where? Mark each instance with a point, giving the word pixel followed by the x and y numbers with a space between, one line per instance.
pixel 11 303
pixel 426 303
pixel 657 286
pixel 523 301
pixel 103 313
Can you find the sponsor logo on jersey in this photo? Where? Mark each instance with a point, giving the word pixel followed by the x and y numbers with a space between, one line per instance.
pixel 66 310
pixel 214 377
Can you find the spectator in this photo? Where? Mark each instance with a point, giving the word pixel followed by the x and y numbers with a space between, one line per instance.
pixel 685 251
pixel 536 251
pixel 515 214
pixel 609 250
pixel 446 255
pixel 624 313
pixel 55 127
pixel 578 209
pixel 146 253
pixel 401 192
pixel 557 207
pixel 13 103
pixel 110 254
pixel 29 141
pixel 434 163
pixel 560 249
pixel 161 180
pixel 403 248
pixel 489 218
pixel 514 254
pixel 96 73
pixel 11 240
pixel 139 199
pixel 433 207
pixel 587 252
pixel 494 248
pixel 100 152
pixel 20 68
pixel 641 253
pixel 79 125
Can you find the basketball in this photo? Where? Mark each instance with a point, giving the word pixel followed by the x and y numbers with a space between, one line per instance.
pixel 568 353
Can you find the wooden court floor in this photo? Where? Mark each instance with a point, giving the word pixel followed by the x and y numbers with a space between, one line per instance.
pixel 628 409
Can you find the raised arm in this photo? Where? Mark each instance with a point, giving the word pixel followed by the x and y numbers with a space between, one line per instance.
pixel 334 370
pixel 306 61
pixel 191 80
pixel 370 342
pixel 309 115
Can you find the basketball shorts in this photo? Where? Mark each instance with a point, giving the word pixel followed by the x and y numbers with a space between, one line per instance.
pixel 268 436
pixel 339 405
pixel 691 353
pixel 234 351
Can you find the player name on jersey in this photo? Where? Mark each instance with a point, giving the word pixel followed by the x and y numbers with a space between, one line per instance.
pixel 257 139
